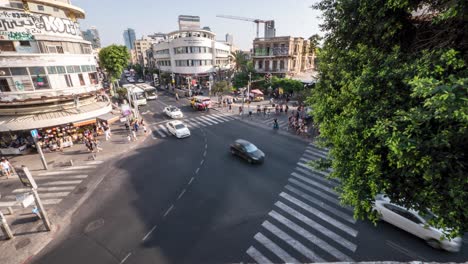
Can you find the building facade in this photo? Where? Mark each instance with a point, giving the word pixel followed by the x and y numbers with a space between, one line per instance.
pixel 141 46
pixel 48 73
pixel 129 38
pixel 189 22
pixel 282 56
pixel 92 35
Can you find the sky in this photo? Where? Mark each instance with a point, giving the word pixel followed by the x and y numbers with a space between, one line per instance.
pixel 112 17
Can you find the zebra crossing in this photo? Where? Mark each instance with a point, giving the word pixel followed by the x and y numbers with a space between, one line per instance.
pixel 53 186
pixel 307 223
pixel 160 130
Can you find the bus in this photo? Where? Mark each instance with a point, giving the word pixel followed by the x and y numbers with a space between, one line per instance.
pixel 137 94
pixel 150 91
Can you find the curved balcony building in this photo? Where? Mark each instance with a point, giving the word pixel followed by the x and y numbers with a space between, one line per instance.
pixel 48 74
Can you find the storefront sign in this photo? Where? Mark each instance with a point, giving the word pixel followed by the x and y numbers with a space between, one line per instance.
pixel 34 133
pixel 126 111
pixel 16 25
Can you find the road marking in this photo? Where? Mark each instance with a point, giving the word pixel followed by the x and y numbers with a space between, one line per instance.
pixel 220 117
pixel 217 118
pixel 168 210
pixel 58 173
pixel 152 135
pixel 62 182
pixel 79 167
pixel 163 128
pixel 292 242
pixel 317 192
pixel 314 152
pixel 316 184
pixel 196 172
pixel 42 195
pixel 210 119
pixel 41 178
pixel 205 123
pixel 204 153
pixel 198 124
pixel 126 257
pixel 159 132
pixel 207 120
pixel 257 256
pixel 201 162
pixel 319 214
pixel 315 176
pixel 312 238
pixel 312 169
pixel 191 180
pixel 320 228
pixel 275 248
pixel 51 201
pixel 313 147
pixel 42 189
pixel 405 251
pixel 206 146
pixel 95 162
pixel 181 194
pixel 149 233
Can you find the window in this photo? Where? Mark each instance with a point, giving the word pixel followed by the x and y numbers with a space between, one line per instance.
pixel 7 46
pixel 275 65
pixel 4 85
pixel 40 7
pixel 36 70
pixel 68 80
pixel 77 68
pixel 282 65
pixel 25 43
pixel 52 70
pixel 82 82
pixel 93 77
pixel 40 82
pixel 5 72
pixel 19 71
pixel 17 5
pixel 56 9
pixel 70 69
pixel 260 64
pixel 86 49
pixel 61 69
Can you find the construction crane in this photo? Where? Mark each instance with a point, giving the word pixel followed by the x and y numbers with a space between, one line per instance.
pixel 256 21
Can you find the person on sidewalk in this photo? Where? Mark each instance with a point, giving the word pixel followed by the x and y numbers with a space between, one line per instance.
pixel 107 133
pixel 144 129
pixel 177 97
pixel 135 126
pixel 97 145
pixel 134 135
pixel 129 138
pixel 6 167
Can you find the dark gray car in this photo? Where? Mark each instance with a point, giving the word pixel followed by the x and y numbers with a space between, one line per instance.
pixel 247 151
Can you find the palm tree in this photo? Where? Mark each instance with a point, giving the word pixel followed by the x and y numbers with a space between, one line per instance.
pixel 240 60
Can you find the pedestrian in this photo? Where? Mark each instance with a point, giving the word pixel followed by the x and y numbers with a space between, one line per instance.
pixel 107 133
pixel 230 108
pixel 142 122
pixel 6 167
pixel 144 129
pixel 96 145
pixel 135 126
pixel 134 135
pixel 127 127
pixel 177 97
pixel 240 110
pixel 88 145
pixel 286 109
pixel 129 138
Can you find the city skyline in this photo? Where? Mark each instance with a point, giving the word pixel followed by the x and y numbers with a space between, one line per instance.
pixel 304 24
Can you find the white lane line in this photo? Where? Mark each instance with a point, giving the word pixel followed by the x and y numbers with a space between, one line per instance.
pixel 9 204
pixel 152 134
pixel 318 192
pixel 314 152
pixel 126 257
pixel 315 176
pixel 58 173
pixel 201 162
pixel 181 194
pixel 95 162
pixel 316 184
pixel 408 253
pixel 312 238
pixel 41 195
pixel 317 149
pixel 163 128
pixel 168 210
pixel 309 156
pixel 292 242
pixel 352 232
pixel 211 122
pixel 275 248
pixel 42 189
pixel 206 145
pixel 196 172
pixel 149 233
pixel 327 232
pixel 191 180
pixel 204 153
pixel 305 161
pixel 210 119
pixel 257 256
pixel 79 167
pixel 62 182
pixel 159 132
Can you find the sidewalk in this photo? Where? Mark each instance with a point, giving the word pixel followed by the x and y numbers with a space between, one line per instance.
pixel 30 234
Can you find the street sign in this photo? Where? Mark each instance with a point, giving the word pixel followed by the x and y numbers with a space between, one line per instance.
pixel 34 133
pixel 26 178
pixel 125 108
pixel 28 200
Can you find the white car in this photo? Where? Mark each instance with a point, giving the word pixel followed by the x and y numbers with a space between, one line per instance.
pixel 173 112
pixel 415 223
pixel 178 129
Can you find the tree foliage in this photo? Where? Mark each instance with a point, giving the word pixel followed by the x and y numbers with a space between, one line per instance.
pixel 392 106
pixel 314 42
pixel 240 60
pixel 289 85
pixel 220 87
pixel 114 59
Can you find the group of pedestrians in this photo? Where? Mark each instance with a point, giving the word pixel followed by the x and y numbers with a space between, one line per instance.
pixel 136 125
pixel 297 124
pixel 91 142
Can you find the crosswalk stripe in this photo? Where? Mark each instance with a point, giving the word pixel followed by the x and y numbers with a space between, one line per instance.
pixel 307 167
pixel 51 201
pixel 80 167
pixel 314 183
pixel 316 148
pixel 9 204
pixel 48 173
pixel 95 162
pixel 44 189
pixel 316 174
pixel 163 128
pixel 224 117
pixel 159 132
pixel 312 238
pixel 257 256
pixel 202 121
pixel 41 195
pixel 275 248
pixel 292 242
pixel 317 192
pixel 198 124
pixel 62 183
pixel 317 152
pixel 212 122
pixel 40 178
pixel 319 214
pixel 310 156
pixel 327 232
pixel 328 208
pixel 215 118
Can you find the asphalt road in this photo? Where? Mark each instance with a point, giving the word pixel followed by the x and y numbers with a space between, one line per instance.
pixel 190 201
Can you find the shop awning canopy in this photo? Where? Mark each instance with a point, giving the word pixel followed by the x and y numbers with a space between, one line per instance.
pixel 56 118
pixel 256 91
pixel 109 118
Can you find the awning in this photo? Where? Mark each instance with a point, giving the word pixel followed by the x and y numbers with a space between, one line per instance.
pixel 256 91
pixel 108 118
pixel 84 123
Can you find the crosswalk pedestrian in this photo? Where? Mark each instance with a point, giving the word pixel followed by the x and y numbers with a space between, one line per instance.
pixel 307 222
pixel 160 130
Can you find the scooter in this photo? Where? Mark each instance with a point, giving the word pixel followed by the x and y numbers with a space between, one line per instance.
pixel 275 126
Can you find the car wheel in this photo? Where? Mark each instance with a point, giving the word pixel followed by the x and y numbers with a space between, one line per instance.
pixel 249 160
pixel 433 243
pixel 233 152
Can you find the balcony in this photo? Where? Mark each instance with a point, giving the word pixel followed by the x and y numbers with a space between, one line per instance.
pixel 276 51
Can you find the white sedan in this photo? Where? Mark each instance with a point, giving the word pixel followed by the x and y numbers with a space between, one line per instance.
pixel 415 223
pixel 178 129
pixel 173 112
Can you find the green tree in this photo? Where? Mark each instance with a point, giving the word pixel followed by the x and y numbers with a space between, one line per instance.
pixel 114 59
pixel 314 42
pixel 289 85
pixel 240 60
pixel 391 104
pixel 220 87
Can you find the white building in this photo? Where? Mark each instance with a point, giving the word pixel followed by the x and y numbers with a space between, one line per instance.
pixel 192 53
pixel 48 74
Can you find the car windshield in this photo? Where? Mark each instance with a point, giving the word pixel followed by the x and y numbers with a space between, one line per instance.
pixel 427 215
pixel 179 126
pixel 250 148
pixel 173 109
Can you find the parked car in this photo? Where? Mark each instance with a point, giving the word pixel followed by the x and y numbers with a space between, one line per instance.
pixel 173 112
pixel 415 223
pixel 178 129
pixel 247 151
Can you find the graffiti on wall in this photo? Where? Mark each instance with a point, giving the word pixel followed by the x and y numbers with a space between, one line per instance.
pixel 23 25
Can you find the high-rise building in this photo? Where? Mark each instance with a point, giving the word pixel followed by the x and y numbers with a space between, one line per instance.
pixel 129 38
pixel 92 35
pixel 189 22
pixel 229 39
pixel 49 78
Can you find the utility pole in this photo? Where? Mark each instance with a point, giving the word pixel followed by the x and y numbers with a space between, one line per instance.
pixel 248 88
pixel 34 135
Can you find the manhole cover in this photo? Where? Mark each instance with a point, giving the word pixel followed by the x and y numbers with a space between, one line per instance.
pixel 81 190
pixel 22 243
pixel 94 225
